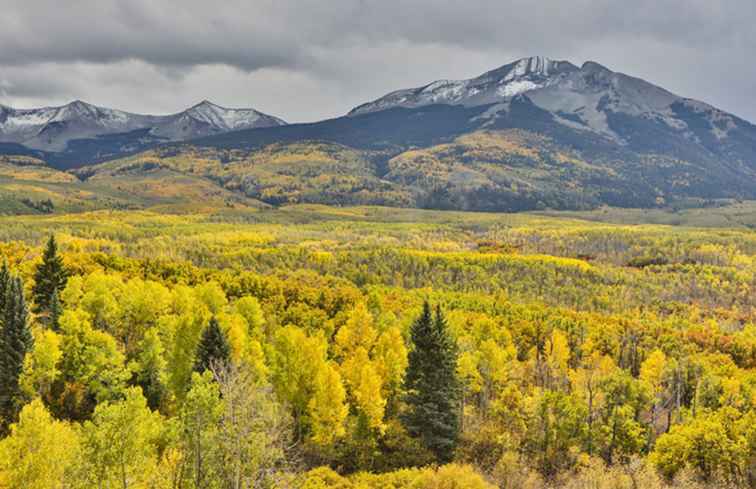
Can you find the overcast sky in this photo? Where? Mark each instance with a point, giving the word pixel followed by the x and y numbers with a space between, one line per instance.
pixel 304 60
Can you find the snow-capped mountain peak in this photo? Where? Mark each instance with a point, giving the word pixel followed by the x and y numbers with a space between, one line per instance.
pixel 227 119
pixel 80 111
pixel 505 82
pixel 51 128
pixel 588 98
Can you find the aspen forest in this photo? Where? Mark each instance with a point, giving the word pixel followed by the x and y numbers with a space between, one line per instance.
pixel 320 347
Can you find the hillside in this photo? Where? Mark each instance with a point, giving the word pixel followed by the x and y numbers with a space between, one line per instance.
pixel 488 169
pixel 531 135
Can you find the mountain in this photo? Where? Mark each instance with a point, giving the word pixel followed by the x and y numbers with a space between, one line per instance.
pixel 85 133
pixel 535 133
pixel 494 86
pixel 589 98
pixel 532 134
pixel 206 118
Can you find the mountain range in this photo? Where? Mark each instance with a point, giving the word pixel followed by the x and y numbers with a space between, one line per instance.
pixel 535 133
pixel 61 131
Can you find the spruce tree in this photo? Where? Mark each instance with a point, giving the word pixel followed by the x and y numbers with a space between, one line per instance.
pixel 432 389
pixel 56 309
pixel 15 341
pixel 51 276
pixel 213 348
pixel 5 279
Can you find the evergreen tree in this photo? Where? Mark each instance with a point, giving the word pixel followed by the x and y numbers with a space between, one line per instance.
pixel 5 279
pixel 50 277
pixel 433 391
pixel 151 369
pixel 15 341
pixel 56 309
pixel 213 347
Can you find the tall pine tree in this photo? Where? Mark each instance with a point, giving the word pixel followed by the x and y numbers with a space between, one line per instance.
pixel 213 348
pixel 50 277
pixel 56 310
pixel 15 341
pixel 433 392
pixel 5 279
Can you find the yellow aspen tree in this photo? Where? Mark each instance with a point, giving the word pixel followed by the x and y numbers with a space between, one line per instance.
pixel 652 375
pixel 120 444
pixel 328 409
pixel 365 388
pixel 358 331
pixel 557 358
pixel 390 358
pixel 41 367
pixel 39 453
pixel 250 310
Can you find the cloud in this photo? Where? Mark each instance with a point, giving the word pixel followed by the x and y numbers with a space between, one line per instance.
pixel 307 59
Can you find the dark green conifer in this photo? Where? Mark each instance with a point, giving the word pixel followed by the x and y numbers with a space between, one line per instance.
pixel 433 392
pixel 56 309
pixel 15 341
pixel 50 277
pixel 4 284
pixel 213 348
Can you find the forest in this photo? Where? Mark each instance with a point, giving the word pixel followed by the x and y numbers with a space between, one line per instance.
pixel 320 347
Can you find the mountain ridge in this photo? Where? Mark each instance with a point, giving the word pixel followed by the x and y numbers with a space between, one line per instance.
pixel 52 128
pixel 532 134
pixel 580 97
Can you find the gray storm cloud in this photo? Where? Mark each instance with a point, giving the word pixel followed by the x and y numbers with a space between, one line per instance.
pixel 306 59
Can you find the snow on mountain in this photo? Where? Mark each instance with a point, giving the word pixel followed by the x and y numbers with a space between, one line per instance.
pixel 494 86
pixel 584 98
pixel 207 118
pixel 230 119
pixel 51 128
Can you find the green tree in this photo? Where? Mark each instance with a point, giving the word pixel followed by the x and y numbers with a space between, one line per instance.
pixel 181 334
pixel 213 347
pixel 39 453
pixel 151 369
pixel 619 432
pixel 5 280
pixel 706 444
pixel 555 429
pixel 41 365
pixel 433 391
pixel 200 418
pixel 296 360
pixel 15 341
pixel 250 310
pixel 92 367
pixel 56 309
pixel 121 442
pixel 50 277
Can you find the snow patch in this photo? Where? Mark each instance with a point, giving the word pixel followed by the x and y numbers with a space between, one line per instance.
pixel 517 87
